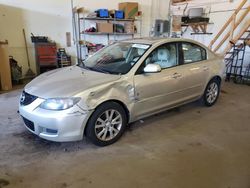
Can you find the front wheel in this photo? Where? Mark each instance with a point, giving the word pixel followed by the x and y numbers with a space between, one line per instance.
pixel 107 124
pixel 212 92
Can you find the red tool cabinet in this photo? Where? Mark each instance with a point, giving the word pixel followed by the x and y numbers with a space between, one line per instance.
pixel 46 57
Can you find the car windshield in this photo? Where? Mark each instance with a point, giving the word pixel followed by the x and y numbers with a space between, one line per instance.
pixel 117 58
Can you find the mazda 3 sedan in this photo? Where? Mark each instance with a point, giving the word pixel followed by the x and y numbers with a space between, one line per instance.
pixel 120 84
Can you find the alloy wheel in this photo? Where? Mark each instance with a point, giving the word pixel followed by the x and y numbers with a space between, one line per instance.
pixel 212 92
pixel 108 125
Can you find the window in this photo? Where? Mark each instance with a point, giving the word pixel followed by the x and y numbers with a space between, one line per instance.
pixel 165 56
pixel 193 53
pixel 117 58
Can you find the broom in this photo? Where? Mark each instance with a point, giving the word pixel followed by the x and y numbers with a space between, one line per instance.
pixel 29 73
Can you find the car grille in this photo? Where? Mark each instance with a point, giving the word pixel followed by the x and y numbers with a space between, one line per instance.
pixel 27 99
pixel 29 124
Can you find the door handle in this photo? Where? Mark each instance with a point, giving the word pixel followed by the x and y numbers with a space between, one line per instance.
pixel 205 68
pixel 176 75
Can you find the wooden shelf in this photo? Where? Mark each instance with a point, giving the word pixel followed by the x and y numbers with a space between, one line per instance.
pixel 188 24
pixel 4 42
pixel 110 19
pixel 101 33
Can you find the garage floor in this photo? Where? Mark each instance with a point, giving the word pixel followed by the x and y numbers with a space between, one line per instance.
pixel 189 147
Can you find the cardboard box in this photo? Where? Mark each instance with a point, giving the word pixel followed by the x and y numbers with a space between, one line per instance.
pixel 176 24
pixel 5 74
pixel 130 9
pixel 81 10
pixel 105 27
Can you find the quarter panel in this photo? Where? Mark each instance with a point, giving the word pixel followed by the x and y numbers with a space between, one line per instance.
pixel 122 90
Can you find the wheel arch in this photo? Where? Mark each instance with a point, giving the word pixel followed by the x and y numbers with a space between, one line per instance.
pixel 127 112
pixel 216 77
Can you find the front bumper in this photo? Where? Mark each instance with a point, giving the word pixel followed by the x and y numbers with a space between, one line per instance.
pixel 59 126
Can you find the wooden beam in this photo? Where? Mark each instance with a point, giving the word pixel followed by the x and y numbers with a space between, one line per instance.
pixel 176 2
pixel 243 31
pixel 4 42
pixel 235 26
pixel 227 23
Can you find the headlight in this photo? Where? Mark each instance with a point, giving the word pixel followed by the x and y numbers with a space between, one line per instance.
pixel 59 103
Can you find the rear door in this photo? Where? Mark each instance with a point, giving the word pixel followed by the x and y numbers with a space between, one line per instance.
pixel 194 70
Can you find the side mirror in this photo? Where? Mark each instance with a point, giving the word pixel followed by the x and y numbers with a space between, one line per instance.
pixel 152 68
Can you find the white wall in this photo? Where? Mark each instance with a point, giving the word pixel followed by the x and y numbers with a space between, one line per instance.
pixel 53 18
pixel 218 11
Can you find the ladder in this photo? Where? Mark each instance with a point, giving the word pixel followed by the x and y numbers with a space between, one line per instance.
pixel 234 59
pixel 231 44
pixel 246 76
pixel 227 32
pixel 234 63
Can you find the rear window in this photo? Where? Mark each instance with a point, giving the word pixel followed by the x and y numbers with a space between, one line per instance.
pixel 193 53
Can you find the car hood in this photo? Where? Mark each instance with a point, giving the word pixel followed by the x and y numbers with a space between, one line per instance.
pixel 67 82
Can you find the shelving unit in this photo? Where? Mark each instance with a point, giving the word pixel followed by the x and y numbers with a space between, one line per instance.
pixel 101 33
pixel 81 36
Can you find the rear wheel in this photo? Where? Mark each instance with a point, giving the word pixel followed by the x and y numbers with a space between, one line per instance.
pixel 212 92
pixel 107 124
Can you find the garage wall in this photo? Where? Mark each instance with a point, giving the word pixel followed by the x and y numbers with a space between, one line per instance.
pixel 219 12
pixel 53 18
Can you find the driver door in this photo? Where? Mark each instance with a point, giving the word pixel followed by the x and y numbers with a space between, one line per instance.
pixel 156 91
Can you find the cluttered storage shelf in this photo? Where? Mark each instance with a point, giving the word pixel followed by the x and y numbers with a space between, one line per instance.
pixel 101 33
pixel 110 19
pixel 96 29
pixel 48 56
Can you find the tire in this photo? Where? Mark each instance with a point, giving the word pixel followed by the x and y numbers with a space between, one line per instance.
pixel 107 124
pixel 238 80
pixel 211 93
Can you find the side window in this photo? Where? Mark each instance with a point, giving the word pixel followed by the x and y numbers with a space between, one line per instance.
pixel 165 56
pixel 193 53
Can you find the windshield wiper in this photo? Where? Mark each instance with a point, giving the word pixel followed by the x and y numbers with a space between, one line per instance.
pixel 81 64
pixel 98 70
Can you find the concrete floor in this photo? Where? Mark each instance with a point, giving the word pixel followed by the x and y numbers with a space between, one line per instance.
pixel 191 147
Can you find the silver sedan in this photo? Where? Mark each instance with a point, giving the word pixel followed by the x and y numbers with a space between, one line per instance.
pixel 120 84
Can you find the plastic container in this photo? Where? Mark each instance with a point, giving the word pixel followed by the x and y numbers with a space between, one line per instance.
pixel 102 13
pixel 119 14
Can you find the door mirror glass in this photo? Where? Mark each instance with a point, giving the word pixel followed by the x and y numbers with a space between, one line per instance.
pixel 152 68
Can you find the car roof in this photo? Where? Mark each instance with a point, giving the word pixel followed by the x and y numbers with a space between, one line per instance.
pixel 149 40
pixel 155 40
pixel 158 40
